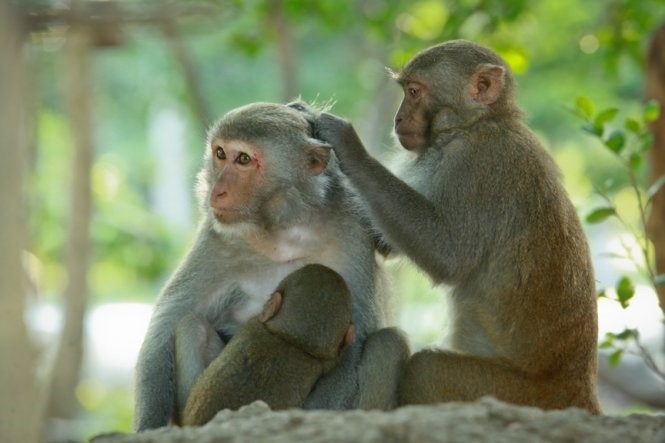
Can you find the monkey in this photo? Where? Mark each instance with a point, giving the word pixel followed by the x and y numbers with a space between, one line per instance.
pixel 278 355
pixel 479 206
pixel 272 200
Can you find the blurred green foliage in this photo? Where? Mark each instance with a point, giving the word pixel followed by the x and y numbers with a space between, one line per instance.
pixel 558 49
pixel 627 140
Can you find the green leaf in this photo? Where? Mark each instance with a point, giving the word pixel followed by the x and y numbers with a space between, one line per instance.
pixel 584 107
pixel 655 187
pixel 616 141
pixel 651 111
pixel 605 116
pixel 600 214
pixel 608 342
pixel 625 291
pixel 593 129
pixel 633 125
pixel 627 334
pixel 646 140
pixel 602 293
pixel 615 357
pixel 635 161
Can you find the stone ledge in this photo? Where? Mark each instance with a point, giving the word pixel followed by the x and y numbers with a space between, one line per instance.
pixel 487 420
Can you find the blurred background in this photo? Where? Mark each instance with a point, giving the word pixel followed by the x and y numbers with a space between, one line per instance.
pixel 103 113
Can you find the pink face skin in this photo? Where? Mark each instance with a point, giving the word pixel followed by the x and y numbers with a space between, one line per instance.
pixel 239 174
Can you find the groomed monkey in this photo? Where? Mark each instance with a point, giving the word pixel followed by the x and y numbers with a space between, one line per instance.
pixel 480 207
pixel 273 200
pixel 278 355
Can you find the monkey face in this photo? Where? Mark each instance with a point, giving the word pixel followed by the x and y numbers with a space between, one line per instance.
pixel 237 174
pixel 261 168
pixel 411 118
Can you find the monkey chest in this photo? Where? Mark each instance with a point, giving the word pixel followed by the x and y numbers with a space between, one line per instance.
pixel 258 286
pixel 246 289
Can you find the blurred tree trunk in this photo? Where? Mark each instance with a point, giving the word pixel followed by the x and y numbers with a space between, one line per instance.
pixel 656 90
pixel 78 90
pixel 285 49
pixel 20 400
pixel 184 58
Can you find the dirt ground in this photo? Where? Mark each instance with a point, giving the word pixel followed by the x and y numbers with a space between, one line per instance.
pixel 487 420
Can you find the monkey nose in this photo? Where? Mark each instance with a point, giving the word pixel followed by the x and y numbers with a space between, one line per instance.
pixel 217 199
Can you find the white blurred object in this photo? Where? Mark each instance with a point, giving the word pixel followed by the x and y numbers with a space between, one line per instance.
pixel 172 189
pixel 113 336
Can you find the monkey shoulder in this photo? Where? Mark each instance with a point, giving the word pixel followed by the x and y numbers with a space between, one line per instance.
pixel 515 155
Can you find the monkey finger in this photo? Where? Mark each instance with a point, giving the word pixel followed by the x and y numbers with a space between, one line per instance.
pixel 328 127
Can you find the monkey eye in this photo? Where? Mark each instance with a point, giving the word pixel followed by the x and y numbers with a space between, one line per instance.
pixel 219 153
pixel 243 159
pixel 412 90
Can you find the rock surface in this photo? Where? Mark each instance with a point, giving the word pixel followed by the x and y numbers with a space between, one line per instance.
pixel 487 420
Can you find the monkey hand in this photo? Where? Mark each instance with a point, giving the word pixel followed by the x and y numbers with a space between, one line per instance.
pixel 339 133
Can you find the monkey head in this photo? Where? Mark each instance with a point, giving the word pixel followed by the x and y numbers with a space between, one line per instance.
pixel 311 308
pixel 261 167
pixel 448 87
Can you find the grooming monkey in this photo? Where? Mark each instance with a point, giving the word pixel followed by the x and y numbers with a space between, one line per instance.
pixel 279 355
pixel 273 201
pixel 480 207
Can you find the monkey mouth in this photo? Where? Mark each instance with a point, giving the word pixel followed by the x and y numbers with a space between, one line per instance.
pixel 411 141
pixel 227 215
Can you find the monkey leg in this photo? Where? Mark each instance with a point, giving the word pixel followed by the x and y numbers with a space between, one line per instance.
pixel 366 375
pixel 384 355
pixel 196 345
pixel 433 376
pixel 338 388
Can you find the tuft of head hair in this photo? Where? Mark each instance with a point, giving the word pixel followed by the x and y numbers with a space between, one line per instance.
pixel 261 122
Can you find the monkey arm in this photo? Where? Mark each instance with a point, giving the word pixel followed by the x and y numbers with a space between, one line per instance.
pixel 154 390
pixel 156 378
pixel 407 218
pixel 256 365
pixel 155 396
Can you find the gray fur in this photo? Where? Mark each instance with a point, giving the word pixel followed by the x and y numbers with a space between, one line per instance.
pixel 225 282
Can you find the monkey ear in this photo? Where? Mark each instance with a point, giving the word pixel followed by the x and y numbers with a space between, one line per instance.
pixel 271 308
pixel 349 338
pixel 486 84
pixel 317 156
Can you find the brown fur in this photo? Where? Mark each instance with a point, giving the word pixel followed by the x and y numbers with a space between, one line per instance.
pixel 481 207
pixel 279 355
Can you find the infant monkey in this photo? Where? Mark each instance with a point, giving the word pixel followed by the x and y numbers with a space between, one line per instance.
pixel 280 354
